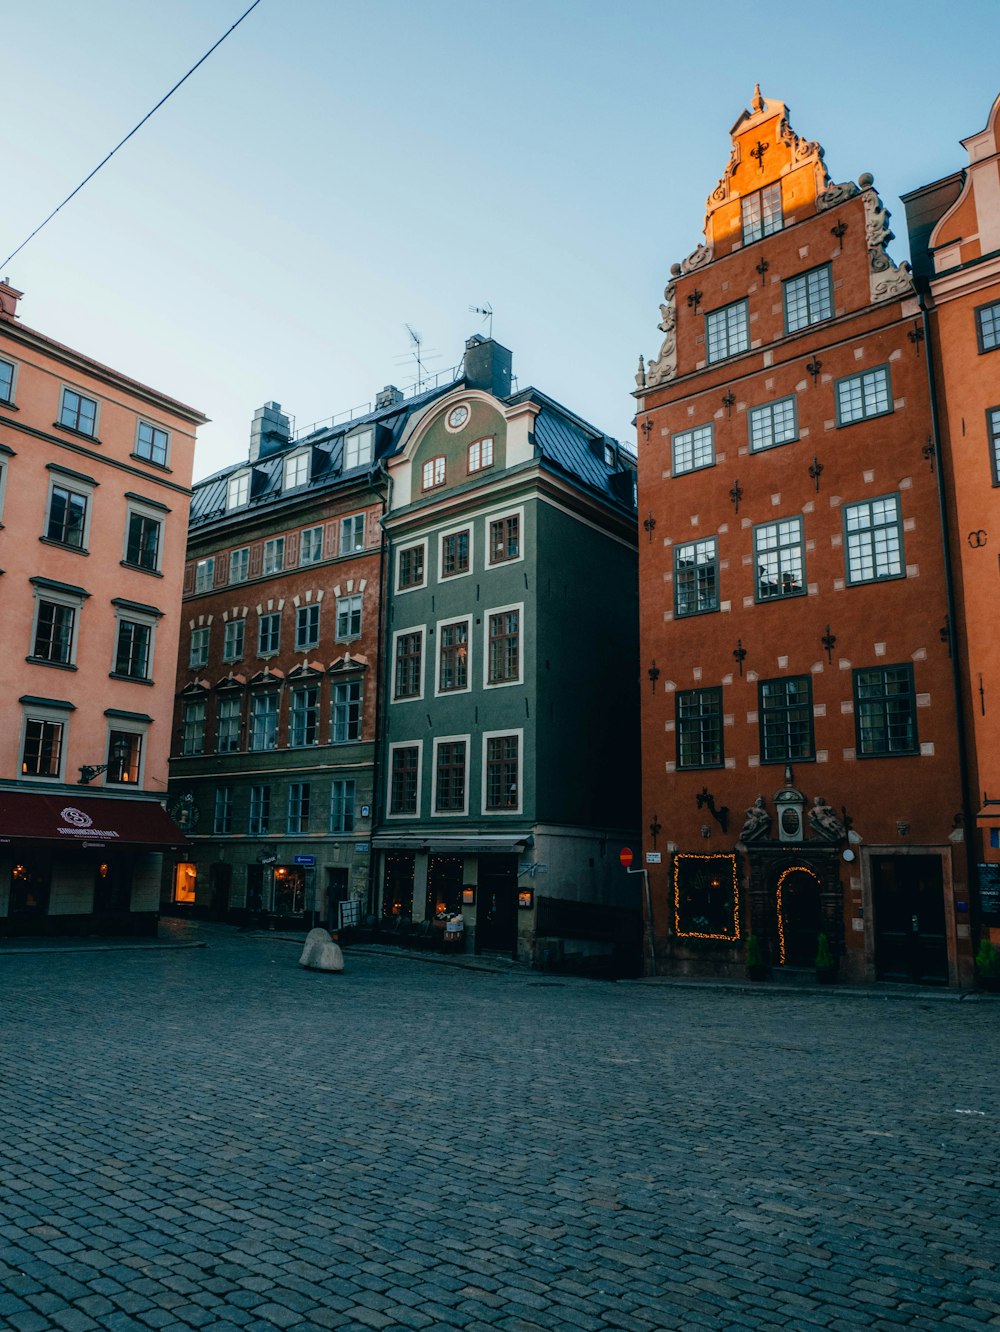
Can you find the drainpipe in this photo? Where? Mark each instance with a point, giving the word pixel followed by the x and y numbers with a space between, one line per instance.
pixel 968 815
pixel 379 691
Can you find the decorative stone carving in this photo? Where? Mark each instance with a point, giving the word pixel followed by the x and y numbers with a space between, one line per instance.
pixel 824 822
pixel 758 822
pixel 886 278
pixel 640 377
pixel 836 194
pixel 665 366
pixel 702 255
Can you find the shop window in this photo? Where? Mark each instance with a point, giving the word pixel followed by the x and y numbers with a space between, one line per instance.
pixel 30 877
pixel 186 882
pixel 289 890
pixel 706 897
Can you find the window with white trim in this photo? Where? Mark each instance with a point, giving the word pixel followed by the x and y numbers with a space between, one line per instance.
pixel 346 721
pixel 863 395
pixel 501 773
pixel 227 724
pixel 298 807
pixel 68 513
pixel 198 651
pixel 311 545
pixel 124 758
pixel 456 553
pixel 233 639
pixel 303 722
pixel 259 818
pixel 239 565
pixel 193 726
pixel 808 298
pixel 268 634
pixel 296 472
pixel 761 213
pixel 352 534
pixel 152 443
pixel 238 490
pixel 408 673
pixel 780 559
pixel 505 539
pixel 78 413
pixel 56 622
pixel 404 779
pixel 134 648
pixel 410 567
pixel 204 575
pixel 264 721
pixel 727 331
pixel 503 645
pixel 307 626
pixel 481 454
pixel 873 540
pixel 342 797
pixel 433 473
pixel 693 449
pixel 349 617
pixel 773 423
pixel 222 821
pixel 453 657
pixel 43 740
pixel 274 556
pixel 993 430
pixel 450 755
pixel 358 448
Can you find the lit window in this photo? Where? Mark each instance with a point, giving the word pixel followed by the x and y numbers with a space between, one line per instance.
pixel 864 395
pixel 885 711
pixel 779 557
pixel 124 757
pixel 306 627
pixel 453 669
pixel 303 726
pixel 352 534
pixel 264 721
pixel 693 449
pixel 988 327
pixel 198 655
pixel 455 554
pixel 409 651
pixel 411 567
pixel 808 298
pixel 238 491
pixel 449 777
pixel 773 423
pixel 268 634
pixel 204 575
pixel 873 540
pixel 311 545
pixel 296 471
pixel 274 556
pixel 233 638
pixel 761 213
pixel 480 455
pixel 151 443
pixel 358 449
pixel 349 618
pixel 227 724
pixel 78 413
pixel 239 565
pixel 346 711
pixel 696 577
pixel 786 729
pixel 298 807
pixel 433 473
pixel 699 728
pixel 342 794
pixel 504 646
pixel 727 331
pixel 43 748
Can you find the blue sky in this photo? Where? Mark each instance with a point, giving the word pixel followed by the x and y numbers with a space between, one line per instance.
pixel 341 168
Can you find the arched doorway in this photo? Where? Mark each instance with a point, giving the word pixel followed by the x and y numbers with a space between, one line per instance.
pixel 799 916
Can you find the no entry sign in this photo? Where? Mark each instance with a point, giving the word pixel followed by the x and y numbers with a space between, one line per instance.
pixel 625 857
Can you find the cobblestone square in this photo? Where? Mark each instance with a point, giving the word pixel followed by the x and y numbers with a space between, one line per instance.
pixel 213 1138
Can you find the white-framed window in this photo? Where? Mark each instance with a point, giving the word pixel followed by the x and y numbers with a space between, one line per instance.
pixel 228 718
pixel 152 442
pixel 696 577
pixel 67 517
pixel 453 656
pixel 342 798
pixel 988 327
pixel 143 537
pixel 780 560
pixel 239 565
pixel 78 412
pixel 502 771
pixel 307 626
pixel 125 750
pixel 56 622
pixel 873 540
pixel 268 633
pixel 311 545
pixel 455 553
pixel 773 423
pixel 693 449
pixel 259 818
pixel 298 807
pixel 761 213
pixel 346 720
pixel 222 820
pixel 358 448
pixel 264 721
pixel 505 538
pixel 193 717
pixel 296 470
pixel 411 566
pixel 480 454
pixel 352 534
pixel 204 574
pixel 238 490
pixel 135 632
pixel 44 735
pixel 503 661
pixel 451 772
pixel 234 639
pixel 198 652
pixel 349 617
pixel 432 474
pixel 274 556
pixel 808 298
pixel 408 664
pixel 404 779
pixel 727 331
pixel 303 721
pixel 864 395
pixel 8 380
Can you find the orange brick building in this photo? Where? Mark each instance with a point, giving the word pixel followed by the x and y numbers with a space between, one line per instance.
pixel 799 766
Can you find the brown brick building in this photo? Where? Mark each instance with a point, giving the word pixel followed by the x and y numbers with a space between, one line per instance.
pixel 799 766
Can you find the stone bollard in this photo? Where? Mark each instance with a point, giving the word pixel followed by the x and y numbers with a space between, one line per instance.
pixel 321 953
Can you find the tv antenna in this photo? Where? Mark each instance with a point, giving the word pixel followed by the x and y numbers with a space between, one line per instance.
pixel 487 312
pixel 418 355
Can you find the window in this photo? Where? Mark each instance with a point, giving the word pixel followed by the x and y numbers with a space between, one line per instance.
pixel 193 727
pixel 358 449
pixel 761 213
pixel 233 638
pixel 311 545
pixel 873 539
pixel 480 454
pixel 41 755
pixel 306 627
pixel 264 721
pixel 342 805
pixel 433 473
pixel 239 565
pixel 786 731
pixel 132 650
pixel 864 395
pixel 993 430
pixel 453 663
pixel 404 785
pixel 779 556
pixel 142 542
pixel 54 633
pixel 346 712
pixel 274 556
pixel 706 897
pixel 699 728
pixel 505 539
pixel 808 298
pixel 268 634
pixel 349 617
pixel 238 490
pixel 227 725
pixel 455 554
pixel 222 824
pixel 198 654
pixel 727 331
pixel 6 381
pixel 693 449
pixel 296 471
pixel 259 820
pixel 449 777
pixel 502 790
pixel 885 713
pixel 408 674
pixel 204 575
pixel 303 727
pixel 67 520
pixel 411 567
pixel 352 534
pixel 988 327
pixel 124 757
pixel 696 577
pixel 773 423
pixel 151 443
pixel 78 413
pixel 298 807
pixel 504 646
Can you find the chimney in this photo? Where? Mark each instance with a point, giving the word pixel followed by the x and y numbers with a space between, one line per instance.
pixel 9 297
pixel 269 432
pixel 487 366
pixel 390 396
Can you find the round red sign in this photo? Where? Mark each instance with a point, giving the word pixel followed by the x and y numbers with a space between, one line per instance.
pixel 625 856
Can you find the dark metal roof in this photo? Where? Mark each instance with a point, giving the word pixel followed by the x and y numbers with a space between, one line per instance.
pixel 578 449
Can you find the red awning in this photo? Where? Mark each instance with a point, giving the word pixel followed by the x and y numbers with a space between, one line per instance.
pixel 85 820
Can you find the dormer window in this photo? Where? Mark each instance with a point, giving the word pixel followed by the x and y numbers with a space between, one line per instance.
pixel 296 471
pixel 609 455
pixel 239 490
pixel 358 449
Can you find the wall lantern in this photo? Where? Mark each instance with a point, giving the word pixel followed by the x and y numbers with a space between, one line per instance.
pixel 469 895
pixel 525 899
pixel 119 753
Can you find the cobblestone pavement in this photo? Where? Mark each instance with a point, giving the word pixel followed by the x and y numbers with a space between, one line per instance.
pixel 213 1138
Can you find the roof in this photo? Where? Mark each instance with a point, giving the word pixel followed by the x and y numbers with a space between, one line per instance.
pixel 578 449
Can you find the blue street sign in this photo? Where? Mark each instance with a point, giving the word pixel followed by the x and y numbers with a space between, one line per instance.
pixel 305 860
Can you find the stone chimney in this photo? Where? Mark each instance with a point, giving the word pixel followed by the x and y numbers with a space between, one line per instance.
pixel 9 297
pixel 390 396
pixel 270 431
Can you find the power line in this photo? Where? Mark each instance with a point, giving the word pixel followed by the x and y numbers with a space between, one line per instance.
pixel 128 136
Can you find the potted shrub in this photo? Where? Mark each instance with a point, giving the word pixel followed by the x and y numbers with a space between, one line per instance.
pixel 754 958
pixel 826 963
pixel 988 966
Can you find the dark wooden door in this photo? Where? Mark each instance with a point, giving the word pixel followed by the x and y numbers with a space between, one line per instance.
pixel 496 905
pixel 799 916
pixel 908 902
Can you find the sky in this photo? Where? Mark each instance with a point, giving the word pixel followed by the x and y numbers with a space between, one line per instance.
pixel 340 169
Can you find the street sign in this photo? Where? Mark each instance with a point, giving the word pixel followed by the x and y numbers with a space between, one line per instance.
pixel 305 860
pixel 625 857
pixel 653 857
